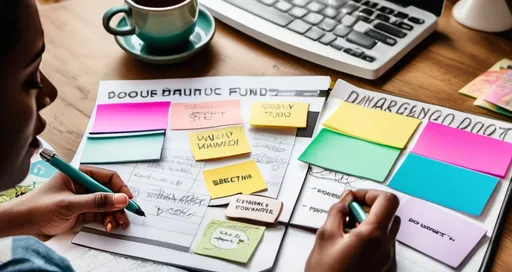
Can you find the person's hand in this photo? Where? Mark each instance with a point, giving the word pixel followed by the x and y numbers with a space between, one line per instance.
pixel 368 247
pixel 60 204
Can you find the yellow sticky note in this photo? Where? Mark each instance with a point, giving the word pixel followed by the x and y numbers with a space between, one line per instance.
pixel 279 114
pixel 234 179
pixel 219 143
pixel 372 125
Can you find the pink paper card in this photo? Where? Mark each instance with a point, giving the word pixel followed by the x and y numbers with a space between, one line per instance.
pixel 500 94
pixel 441 235
pixel 131 117
pixel 464 149
pixel 205 114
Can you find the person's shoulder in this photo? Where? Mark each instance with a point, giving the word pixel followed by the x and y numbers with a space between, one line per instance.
pixel 25 253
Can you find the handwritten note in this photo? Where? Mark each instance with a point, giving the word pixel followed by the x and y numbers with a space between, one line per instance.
pixel 131 117
pixel 219 143
pixel 465 149
pixel 436 232
pixel 342 153
pixel 205 114
pixel 274 114
pixel 372 125
pixel 233 179
pixel 444 184
pixel 131 148
pixel 257 208
pixel 230 240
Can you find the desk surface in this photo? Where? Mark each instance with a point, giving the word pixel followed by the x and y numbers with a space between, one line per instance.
pixel 80 54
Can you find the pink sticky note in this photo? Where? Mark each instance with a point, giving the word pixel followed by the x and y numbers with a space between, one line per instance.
pixel 464 149
pixel 205 114
pixel 441 235
pixel 131 117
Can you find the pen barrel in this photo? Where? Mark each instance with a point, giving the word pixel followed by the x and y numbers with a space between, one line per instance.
pixel 358 211
pixel 78 176
pixel 132 207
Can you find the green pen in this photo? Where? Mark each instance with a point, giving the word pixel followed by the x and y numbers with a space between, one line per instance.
pixel 358 211
pixel 79 177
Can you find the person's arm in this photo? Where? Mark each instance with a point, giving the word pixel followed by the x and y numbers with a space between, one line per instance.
pixel 13 220
pixel 59 204
pixel 368 247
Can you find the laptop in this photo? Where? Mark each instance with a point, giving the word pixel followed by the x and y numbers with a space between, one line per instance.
pixel 359 37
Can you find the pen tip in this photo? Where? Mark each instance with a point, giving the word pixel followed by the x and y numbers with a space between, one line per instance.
pixel 140 212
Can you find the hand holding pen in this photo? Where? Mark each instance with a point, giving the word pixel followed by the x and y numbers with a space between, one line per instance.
pixel 368 247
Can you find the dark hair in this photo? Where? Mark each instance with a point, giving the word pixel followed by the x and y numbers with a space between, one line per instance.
pixel 10 22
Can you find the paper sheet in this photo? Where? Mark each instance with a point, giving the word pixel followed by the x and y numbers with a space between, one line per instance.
pixel 129 117
pixel 465 149
pixel 233 179
pixel 437 233
pixel 274 150
pixel 114 148
pixel 230 240
pixel 376 126
pixel 500 94
pixel 322 187
pixel 219 143
pixel 193 115
pixel 478 87
pixel 345 154
pixel 279 114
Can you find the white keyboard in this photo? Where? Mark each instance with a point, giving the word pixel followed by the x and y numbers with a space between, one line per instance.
pixel 360 37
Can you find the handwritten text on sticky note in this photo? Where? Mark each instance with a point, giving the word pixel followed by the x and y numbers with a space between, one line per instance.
pixel 219 143
pixel 205 114
pixel 229 240
pixel 257 208
pixel 436 232
pixel 276 114
pixel 233 179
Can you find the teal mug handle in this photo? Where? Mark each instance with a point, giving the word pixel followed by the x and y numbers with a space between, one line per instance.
pixel 107 17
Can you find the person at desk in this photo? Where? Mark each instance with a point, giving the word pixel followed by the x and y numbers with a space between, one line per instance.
pixel 60 204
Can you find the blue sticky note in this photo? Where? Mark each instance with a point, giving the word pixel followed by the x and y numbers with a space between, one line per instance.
pixel 135 147
pixel 444 184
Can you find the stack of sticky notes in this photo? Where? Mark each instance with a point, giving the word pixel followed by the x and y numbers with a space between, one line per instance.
pixel 360 141
pixel 453 168
pixel 491 89
pixel 127 132
pixel 279 114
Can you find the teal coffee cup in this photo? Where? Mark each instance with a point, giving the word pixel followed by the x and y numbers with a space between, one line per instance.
pixel 158 23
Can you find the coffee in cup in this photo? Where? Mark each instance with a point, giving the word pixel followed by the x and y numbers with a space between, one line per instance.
pixel 158 23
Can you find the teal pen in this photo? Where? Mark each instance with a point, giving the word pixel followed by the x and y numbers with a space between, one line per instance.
pixel 358 211
pixel 79 177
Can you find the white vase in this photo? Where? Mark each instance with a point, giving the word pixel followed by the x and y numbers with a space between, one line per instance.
pixel 484 15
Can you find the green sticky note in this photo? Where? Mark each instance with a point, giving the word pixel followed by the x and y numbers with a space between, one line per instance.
pixel 229 240
pixel 132 147
pixel 342 153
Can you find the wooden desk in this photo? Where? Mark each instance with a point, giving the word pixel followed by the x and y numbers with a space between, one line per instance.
pixel 80 54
